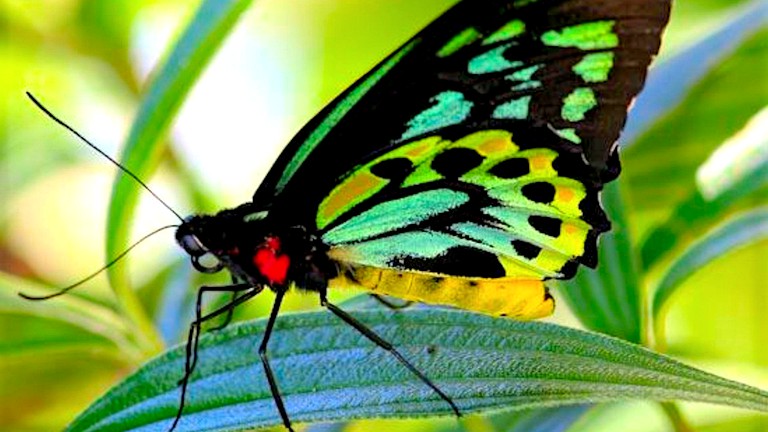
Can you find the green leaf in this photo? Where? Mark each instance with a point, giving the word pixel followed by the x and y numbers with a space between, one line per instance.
pixel 172 81
pixel 608 299
pixel 740 231
pixel 329 372
pixel 659 169
pixel 734 174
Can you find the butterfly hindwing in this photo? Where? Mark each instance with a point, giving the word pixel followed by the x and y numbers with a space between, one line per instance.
pixel 478 223
pixel 481 206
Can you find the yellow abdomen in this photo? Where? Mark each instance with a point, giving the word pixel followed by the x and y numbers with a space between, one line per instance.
pixel 516 298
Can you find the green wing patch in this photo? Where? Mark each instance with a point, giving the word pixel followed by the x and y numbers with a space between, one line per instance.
pixel 395 214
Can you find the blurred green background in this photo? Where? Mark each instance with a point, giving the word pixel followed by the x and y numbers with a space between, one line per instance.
pixel 90 62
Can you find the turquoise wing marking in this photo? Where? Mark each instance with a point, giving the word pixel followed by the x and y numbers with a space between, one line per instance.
pixel 383 251
pixel 396 214
pixel 451 109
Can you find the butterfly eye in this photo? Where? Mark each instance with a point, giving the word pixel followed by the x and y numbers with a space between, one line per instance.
pixel 192 245
pixel 207 263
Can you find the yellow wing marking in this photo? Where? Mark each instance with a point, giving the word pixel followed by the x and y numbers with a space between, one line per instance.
pixel 491 143
pixel 516 298
pixel 363 184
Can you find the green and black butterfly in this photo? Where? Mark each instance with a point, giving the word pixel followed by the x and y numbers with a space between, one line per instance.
pixel 463 170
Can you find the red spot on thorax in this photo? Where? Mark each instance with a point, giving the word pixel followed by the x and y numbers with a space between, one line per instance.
pixel 272 243
pixel 272 264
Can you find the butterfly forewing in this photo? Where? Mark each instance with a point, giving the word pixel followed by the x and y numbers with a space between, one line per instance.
pixel 572 66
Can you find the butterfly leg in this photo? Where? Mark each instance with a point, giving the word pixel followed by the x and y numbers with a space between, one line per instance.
pixel 389 304
pixel 265 361
pixel 194 331
pixel 365 331
pixel 228 318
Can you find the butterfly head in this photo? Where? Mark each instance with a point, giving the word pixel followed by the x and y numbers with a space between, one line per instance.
pixel 214 242
pixel 200 239
pixel 239 240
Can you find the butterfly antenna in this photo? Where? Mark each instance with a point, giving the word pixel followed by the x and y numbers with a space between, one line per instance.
pixel 93 275
pixel 116 163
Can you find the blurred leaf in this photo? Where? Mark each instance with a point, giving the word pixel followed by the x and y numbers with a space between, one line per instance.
pixel 174 295
pixel 735 173
pixel 174 306
pixel 738 232
pixel 608 299
pixel 696 215
pixel 355 37
pixel 693 20
pixel 675 416
pixel 557 419
pixel 48 348
pixel 747 424
pixel 171 84
pixel 670 79
pixel 88 316
pixel 741 156
pixel 325 372
pixel 42 388
pixel 659 168
pixel 625 416
pixel 104 29
pixel 327 427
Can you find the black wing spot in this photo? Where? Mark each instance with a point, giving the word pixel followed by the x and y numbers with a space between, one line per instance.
pixel 392 168
pixel 539 192
pixel 525 249
pixel 569 269
pixel 455 162
pixel 511 168
pixel 546 225
pixel 459 261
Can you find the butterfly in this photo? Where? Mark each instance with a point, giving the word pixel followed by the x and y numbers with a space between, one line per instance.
pixel 463 170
